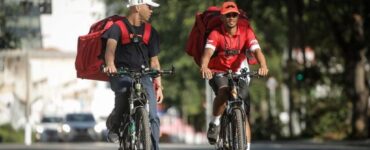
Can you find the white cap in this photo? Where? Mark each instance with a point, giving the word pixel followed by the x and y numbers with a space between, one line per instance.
pixel 140 2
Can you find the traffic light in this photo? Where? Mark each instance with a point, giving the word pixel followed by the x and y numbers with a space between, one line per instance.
pixel 308 76
pixel 300 76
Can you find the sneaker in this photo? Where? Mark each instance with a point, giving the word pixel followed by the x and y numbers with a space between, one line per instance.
pixel 112 137
pixel 212 133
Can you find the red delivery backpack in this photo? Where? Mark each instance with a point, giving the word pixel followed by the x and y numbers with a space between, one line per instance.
pixel 90 49
pixel 204 23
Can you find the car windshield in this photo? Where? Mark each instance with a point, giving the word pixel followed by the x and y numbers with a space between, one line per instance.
pixel 80 118
pixel 51 119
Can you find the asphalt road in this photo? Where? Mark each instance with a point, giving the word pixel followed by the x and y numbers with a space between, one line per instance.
pixel 255 146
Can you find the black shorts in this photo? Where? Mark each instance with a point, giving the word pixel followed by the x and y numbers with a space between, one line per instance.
pixel 219 81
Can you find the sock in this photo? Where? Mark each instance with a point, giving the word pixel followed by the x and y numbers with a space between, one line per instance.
pixel 249 146
pixel 216 120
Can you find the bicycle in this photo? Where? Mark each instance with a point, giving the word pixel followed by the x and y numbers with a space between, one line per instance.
pixel 134 131
pixel 232 134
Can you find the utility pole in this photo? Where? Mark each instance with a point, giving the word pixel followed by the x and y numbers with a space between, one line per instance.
pixel 28 128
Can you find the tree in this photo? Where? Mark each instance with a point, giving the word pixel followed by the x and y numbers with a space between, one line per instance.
pixel 337 30
pixel 348 28
pixel 7 39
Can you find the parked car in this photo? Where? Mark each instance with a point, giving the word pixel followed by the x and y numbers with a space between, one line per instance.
pixel 81 127
pixel 102 128
pixel 49 129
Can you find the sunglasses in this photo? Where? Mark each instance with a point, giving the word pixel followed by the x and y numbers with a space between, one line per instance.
pixel 231 15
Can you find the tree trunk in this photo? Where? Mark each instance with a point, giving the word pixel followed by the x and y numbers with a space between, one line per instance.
pixel 360 103
pixel 361 93
pixel 354 54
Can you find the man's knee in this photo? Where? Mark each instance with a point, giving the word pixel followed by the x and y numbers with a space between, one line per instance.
pixel 223 92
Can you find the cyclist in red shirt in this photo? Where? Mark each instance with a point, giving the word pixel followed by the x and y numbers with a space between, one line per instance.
pixel 226 49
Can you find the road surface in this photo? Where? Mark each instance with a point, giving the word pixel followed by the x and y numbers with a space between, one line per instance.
pixel 255 146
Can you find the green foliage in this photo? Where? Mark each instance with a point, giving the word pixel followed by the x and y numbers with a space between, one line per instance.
pixel 8 13
pixel 174 20
pixel 328 118
pixel 9 135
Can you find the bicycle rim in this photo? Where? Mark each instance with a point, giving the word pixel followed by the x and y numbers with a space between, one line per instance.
pixel 143 141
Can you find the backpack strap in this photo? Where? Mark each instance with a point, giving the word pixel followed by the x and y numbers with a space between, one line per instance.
pixel 124 32
pixel 147 32
pixel 126 38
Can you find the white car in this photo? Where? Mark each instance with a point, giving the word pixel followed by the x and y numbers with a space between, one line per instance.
pixel 81 127
pixel 49 129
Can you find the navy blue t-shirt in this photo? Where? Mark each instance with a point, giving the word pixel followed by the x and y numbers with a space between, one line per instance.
pixel 129 55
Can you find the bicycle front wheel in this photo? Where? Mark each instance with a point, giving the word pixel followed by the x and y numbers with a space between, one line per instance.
pixel 238 134
pixel 143 141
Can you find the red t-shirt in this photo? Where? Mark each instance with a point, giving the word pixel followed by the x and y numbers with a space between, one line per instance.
pixel 219 40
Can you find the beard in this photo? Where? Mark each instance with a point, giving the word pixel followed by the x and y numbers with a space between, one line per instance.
pixel 144 18
pixel 231 25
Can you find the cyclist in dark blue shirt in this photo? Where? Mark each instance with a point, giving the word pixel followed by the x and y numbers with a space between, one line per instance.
pixel 134 55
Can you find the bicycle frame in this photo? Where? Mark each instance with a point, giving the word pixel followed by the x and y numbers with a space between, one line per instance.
pixel 138 117
pixel 137 94
pixel 233 129
pixel 137 99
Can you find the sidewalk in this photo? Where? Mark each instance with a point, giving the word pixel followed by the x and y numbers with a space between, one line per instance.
pixel 355 143
pixel 361 143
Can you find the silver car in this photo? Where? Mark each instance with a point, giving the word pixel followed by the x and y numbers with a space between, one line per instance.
pixel 49 129
pixel 81 127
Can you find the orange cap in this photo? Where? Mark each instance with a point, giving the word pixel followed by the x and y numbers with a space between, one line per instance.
pixel 228 7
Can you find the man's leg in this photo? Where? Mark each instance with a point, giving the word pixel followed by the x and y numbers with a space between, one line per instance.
pixel 121 107
pixel 219 84
pixel 248 132
pixel 153 116
pixel 120 86
pixel 219 103
pixel 243 93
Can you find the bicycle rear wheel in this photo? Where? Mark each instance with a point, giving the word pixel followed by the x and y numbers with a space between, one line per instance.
pixel 238 132
pixel 143 141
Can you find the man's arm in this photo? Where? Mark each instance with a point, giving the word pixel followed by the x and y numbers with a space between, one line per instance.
pixel 154 64
pixel 263 70
pixel 206 72
pixel 109 56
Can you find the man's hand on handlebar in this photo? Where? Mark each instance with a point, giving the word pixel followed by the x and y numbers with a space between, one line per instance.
pixel 110 69
pixel 263 71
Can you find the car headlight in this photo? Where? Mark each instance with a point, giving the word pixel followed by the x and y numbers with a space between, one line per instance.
pixel 99 127
pixel 39 129
pixel 66 128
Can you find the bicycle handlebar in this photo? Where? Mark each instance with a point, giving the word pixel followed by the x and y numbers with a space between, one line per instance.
pixel 243 73
pixel 144 71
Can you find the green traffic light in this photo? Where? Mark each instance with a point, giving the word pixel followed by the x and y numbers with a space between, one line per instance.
pixel 300 76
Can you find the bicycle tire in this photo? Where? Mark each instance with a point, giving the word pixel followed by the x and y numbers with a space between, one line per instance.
pixel 143 132
pixel 224 137
pixel 238 134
